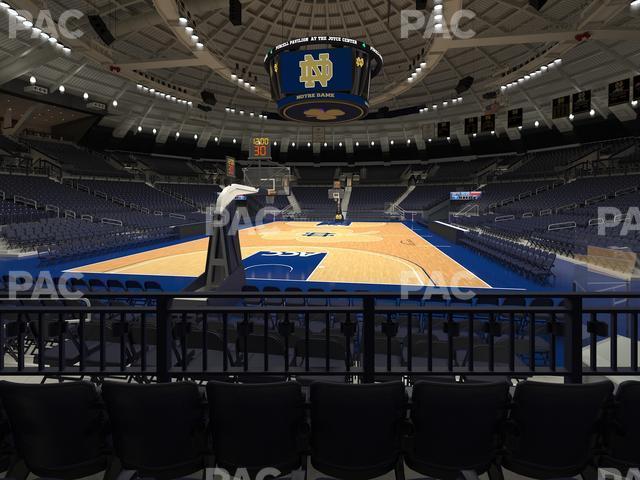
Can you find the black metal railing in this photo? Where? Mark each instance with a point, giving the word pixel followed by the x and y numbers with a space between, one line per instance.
pixel 364 336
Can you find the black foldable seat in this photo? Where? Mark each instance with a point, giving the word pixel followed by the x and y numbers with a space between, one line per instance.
pixel 622 439
pixel 555 428
pixel 356 430
pixel 158 430
pixel 456 427
pixel 59 430
pixel 258 426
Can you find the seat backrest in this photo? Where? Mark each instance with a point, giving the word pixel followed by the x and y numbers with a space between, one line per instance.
pixel 152 286
pixel 133 285
pixel 555 425
pixel 256 426
pixel 115 285
pixel 457 425
pixel 317 348
pixel 256 344
pixel 623 435
pixel 56 426
pixel 317 301
pixel 157 427
pixel 356 429
pixel 501 354
pixel 542 302
pixel 437 348
pixel 96 284
pixel 514 302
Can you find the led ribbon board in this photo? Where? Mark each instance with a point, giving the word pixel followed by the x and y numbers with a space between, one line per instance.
pixel 322 79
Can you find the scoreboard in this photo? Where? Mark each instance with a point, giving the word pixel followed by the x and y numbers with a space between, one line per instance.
pixel 260 148
pixel 465 196
pixel 322 79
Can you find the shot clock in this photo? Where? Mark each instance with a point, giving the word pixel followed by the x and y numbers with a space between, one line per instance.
pixel 260 148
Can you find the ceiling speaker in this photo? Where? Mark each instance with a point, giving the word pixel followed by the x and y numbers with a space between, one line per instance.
pixel 421 4
pixel 101 29
pixel 537 4
pixel 235 12
pixel 208 97
pixel 464 85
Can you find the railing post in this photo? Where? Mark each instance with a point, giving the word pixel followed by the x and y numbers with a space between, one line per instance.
pixel 163 340
pixel 573 342
pixel 369 340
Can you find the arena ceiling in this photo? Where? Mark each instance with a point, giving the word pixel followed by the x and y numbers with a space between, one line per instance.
pixel 149 39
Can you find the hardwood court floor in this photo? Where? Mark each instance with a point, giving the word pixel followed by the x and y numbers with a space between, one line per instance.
pixel 364 252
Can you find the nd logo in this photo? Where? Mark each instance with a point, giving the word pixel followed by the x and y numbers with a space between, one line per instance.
pixel 312 70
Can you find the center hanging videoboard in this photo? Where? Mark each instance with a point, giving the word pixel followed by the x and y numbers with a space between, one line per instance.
pixel 322 79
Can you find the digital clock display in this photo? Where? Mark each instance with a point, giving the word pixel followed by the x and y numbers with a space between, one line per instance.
pixel 260 148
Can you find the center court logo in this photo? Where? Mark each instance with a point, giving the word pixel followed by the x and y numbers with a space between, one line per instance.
pixel 312 70
pixel 319 234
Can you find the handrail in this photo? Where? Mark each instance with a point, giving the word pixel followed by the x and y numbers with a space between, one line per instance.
pixel 562 226
pixel 111 221
pixel 172 319
pixel 25 201
pixel 52 208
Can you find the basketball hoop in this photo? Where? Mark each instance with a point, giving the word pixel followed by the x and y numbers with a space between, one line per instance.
pixel 273 179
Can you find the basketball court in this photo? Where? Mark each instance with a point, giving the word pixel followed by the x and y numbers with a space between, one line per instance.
pixel 357 253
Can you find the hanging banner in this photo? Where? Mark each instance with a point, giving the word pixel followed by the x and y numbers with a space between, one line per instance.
pixel 515 118
pixel 470 125
pixel 582 102
pixel 444 129
pixel 488 123
pixel 619 92
pixel 561 107
pixel 231 167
